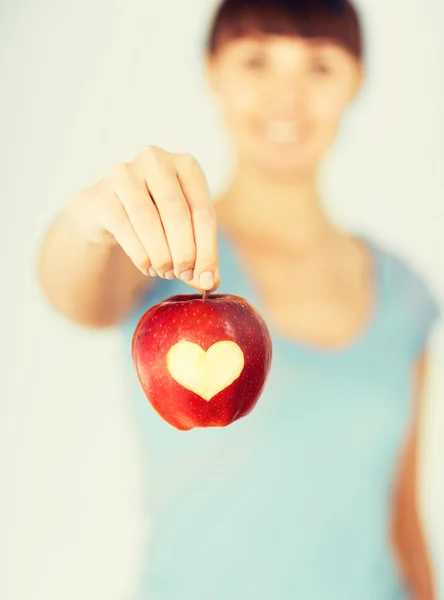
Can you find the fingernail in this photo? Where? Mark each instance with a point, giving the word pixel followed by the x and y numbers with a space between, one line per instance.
pixel 152 272
pixel 187 275
pixel 206 280
pixel 169 274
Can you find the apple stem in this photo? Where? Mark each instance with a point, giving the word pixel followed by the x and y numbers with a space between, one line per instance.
pixel 204 295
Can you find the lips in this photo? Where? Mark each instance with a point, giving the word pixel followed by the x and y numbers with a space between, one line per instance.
pixel 279 131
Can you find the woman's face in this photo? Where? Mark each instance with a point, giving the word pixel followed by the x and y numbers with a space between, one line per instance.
pixel 283 98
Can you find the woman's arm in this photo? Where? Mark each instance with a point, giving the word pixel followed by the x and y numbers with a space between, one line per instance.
pixel 407 530
pixel 152 215
pixel 94 284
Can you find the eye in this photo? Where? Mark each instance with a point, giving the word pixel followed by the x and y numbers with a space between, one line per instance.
pixel 255 62
pixel 321 66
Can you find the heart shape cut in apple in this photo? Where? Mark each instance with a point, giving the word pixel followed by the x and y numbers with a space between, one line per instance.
pixel 205 373
pixel 202 362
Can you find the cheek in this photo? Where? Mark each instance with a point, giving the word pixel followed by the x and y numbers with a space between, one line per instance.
pixel 329 102
pixel 327 110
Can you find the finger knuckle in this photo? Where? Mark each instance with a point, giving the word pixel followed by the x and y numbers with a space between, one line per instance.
pixel 207 263
pixel 120 173
pixel 143 262
pixel 120 220
pixel 176 209
pixel 152 155
pixel 186 260
pixel 140 207
pixel 187 162
pixel 205 215
pixel 163 265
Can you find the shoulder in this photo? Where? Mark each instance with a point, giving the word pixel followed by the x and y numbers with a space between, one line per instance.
pixel 408 293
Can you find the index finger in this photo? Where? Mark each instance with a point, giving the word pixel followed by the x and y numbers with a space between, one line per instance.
pixel 197 194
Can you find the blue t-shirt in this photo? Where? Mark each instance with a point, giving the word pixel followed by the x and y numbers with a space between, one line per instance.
pixel 294 500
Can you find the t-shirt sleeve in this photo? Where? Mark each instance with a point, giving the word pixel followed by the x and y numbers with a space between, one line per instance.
pixel 423 309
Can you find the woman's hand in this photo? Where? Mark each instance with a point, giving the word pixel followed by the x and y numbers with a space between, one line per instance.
pixel 159 210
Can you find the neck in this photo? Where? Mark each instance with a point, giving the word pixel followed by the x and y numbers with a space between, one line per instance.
pixel 285 209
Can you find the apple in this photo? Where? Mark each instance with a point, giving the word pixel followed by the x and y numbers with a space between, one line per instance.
pixel 202 361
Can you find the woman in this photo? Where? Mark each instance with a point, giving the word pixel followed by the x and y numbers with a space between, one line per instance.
pixel 313 495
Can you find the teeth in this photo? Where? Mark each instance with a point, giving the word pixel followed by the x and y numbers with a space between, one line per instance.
pixel 282 131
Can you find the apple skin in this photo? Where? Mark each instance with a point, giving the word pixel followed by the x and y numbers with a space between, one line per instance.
pixel 190 318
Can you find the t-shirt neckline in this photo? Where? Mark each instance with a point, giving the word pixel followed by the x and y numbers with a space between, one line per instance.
pixel 235 272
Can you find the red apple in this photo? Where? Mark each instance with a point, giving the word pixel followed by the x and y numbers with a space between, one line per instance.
pixel 202 362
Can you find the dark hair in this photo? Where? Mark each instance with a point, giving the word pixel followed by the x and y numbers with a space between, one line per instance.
pixel 336 20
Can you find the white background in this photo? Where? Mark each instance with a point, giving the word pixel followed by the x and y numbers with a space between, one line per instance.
pixel 83 85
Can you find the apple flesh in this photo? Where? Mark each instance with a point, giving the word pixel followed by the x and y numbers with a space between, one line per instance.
pixel 202 362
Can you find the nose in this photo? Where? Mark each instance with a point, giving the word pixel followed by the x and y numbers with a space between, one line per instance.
pixel 288 96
